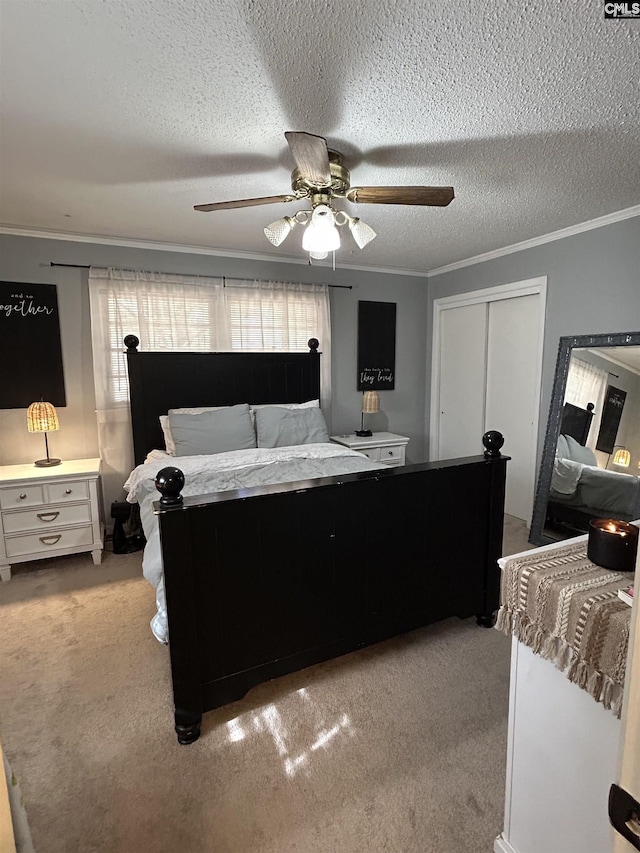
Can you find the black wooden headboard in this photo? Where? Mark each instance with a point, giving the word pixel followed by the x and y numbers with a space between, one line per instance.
pixel 576 422
pixel 159 381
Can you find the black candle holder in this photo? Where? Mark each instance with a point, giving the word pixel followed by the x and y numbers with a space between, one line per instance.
pixel 613 544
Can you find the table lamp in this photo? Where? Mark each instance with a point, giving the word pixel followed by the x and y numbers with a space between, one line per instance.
pixel 42 417
pixel 370 405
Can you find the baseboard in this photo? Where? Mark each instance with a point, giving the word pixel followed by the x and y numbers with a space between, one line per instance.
pixel 501 845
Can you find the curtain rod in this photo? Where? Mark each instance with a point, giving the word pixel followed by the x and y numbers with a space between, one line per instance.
pixel 88 267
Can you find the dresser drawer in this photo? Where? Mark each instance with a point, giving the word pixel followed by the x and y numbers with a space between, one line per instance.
pixel 43 518
pixel 39 544
pixel 14 496
pixel 67 490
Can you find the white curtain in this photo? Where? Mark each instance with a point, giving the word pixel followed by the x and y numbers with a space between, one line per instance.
pixel 587 384
pixel 174 312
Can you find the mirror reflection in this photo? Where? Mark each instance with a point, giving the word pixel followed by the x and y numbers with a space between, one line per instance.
pixel 591 462
pixel 597 459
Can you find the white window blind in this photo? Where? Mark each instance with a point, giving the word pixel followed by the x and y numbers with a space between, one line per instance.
pixel 587 384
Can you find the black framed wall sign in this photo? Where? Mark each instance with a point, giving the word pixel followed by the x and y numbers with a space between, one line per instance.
pixel 611 413
pixel 30 347
pixel 376 346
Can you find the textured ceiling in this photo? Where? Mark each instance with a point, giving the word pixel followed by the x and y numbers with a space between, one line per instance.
pixel 118 117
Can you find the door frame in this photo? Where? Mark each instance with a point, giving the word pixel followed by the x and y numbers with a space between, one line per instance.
pixel 513 290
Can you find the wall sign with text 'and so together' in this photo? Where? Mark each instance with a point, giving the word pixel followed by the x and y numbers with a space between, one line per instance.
pixel 30 348
pixel 376 346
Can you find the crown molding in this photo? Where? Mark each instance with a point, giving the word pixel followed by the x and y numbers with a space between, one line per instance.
pixel 67 236
pixel 600 222
pixel 152 245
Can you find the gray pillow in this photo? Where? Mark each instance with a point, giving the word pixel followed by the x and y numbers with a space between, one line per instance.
pixel 212 432
pixel 277 427
pixel 579 453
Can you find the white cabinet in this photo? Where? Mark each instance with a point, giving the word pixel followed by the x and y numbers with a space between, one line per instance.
pixel 49 512
pixel 386 447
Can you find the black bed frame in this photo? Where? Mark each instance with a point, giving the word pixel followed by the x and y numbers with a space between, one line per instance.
pixel 265 581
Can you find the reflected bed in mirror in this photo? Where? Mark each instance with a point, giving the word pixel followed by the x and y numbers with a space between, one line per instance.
pixel 590 465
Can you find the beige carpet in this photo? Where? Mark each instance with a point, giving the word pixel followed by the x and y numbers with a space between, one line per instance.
pixel 400 747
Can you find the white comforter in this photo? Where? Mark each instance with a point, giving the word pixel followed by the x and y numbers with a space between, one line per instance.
pixel 221 472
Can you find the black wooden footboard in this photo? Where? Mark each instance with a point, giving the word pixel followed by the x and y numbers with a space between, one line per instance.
pixel 269 580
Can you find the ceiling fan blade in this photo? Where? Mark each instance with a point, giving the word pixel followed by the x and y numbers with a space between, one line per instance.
pixel 432 196
pixel 311 156
pixel 245 202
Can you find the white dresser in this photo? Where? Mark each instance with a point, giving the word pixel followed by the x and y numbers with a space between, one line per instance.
pixel 49 512
pixel 384 447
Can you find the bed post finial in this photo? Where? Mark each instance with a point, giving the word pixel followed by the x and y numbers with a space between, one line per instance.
pixel 313 344
pixel 170 482
pixel 493 441
pixel 131 343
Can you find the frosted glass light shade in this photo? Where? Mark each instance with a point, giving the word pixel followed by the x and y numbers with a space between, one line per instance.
pixel 42 417
pixel 622 458
pixel 361 232
pixel 278 231
pixel 321 235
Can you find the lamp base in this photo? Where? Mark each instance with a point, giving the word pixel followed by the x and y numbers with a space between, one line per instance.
pixel 363 433
pixel 47 463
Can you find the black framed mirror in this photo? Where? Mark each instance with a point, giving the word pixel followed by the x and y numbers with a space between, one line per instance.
pixel 591 424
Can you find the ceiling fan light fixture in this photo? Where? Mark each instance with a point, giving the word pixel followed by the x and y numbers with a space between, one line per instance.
pixel 278 231
pixel 321 235
pixel 361 232
pixel 318 256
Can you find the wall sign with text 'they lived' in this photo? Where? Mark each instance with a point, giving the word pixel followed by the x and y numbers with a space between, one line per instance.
pixel 30 348
pixel 376 346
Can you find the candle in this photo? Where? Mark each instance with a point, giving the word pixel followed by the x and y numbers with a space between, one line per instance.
pixel 613 544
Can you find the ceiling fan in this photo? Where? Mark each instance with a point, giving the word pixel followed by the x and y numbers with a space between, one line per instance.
pixel 320 177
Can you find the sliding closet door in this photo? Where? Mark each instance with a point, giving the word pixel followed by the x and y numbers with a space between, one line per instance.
pixel 487 361
pixel 512 394
pixel 463 333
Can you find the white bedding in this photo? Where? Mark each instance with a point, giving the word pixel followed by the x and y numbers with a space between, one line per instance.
pixel 221 472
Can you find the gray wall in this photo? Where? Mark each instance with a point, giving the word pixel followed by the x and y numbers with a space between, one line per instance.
pixel 593 285
pixel 27 259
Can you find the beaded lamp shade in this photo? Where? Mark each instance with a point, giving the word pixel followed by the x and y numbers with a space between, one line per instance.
pixel 42 417
pixel 622 457
pixel 370 402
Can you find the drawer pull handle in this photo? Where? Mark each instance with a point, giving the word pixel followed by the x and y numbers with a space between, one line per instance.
pixel 50 540
pixel 48 516
pixel 390 452
pixel 68 491
pixel 22 496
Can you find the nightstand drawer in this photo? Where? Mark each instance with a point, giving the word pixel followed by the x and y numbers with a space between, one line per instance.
pixel 372 453
pixel 38 544
pixel 15 496
pixel 43 518
pixel 391 454
pixel 67 490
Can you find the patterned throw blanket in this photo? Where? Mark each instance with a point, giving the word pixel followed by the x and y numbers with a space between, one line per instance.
pixel 567 609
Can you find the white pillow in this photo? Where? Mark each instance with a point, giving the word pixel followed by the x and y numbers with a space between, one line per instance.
pixel 168 438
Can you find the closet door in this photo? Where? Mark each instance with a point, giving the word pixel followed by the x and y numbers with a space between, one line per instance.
pixel 512 397
pixel 463 344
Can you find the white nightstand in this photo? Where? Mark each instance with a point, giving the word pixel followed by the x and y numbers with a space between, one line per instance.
pixel 384 447
pixel 49 512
